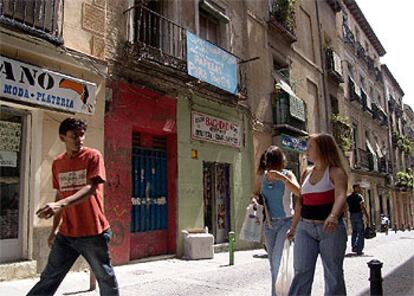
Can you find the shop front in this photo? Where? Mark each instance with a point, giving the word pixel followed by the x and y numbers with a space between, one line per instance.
pixel 36 93
pixel 215 167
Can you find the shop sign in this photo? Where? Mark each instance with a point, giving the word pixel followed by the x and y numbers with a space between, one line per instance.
pixel 211 64
pixel 297 108
pixel 213 129
pixel 34 85
pixel 293 143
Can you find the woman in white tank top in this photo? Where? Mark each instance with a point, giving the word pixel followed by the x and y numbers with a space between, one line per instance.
pixel 320 229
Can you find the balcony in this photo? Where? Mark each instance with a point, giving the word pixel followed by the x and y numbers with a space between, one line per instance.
pixel 282 17
pixel 349 37
pixel 156 38
pixel 334 65
pixel 289 111
pixel 353 91
pixel 360 51
pixel 42 19
pixel 335 5
pixel 362 161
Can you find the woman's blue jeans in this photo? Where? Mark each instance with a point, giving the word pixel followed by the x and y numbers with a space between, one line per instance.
pixel 275 239
pixel 64 253
pixel 310 241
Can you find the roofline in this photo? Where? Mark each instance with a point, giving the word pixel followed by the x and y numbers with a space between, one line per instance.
pixel 387 71
pixel 365 26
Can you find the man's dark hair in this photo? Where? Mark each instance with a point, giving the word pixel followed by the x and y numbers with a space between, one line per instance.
pixel 355 186
pixel 70 124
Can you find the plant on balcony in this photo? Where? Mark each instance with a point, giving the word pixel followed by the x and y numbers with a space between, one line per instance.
pixel 342 131
pixel 405 180
pixel 402 142
pixel 284 13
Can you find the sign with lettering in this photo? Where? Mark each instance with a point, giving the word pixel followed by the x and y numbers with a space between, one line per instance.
pixel 213 129
pixel 211 64
pixel 293 143
pixel 34 85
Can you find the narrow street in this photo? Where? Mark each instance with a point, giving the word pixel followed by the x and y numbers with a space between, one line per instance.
pixel 249 275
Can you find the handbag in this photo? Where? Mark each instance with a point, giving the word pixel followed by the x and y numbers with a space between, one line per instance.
pixel 369 232
pixel 253 223
pixel 285 274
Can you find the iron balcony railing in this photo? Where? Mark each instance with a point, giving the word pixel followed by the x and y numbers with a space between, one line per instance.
pixel 149 28
pixel 41 18
pixel 282 15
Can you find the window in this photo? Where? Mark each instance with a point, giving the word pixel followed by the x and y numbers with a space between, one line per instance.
pixel 209 28
pixel 334 105
pixel 212 21
pixel 306 39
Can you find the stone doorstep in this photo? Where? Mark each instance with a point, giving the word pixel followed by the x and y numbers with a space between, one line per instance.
pixel 17 270
pixel 219 248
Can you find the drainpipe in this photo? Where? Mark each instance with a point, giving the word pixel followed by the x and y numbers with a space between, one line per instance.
pixel 324 80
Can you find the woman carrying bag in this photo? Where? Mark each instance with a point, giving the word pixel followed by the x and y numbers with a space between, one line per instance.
pixel 276 186
pixel 321 229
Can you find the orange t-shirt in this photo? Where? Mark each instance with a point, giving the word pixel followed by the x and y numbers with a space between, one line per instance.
pixel 71 174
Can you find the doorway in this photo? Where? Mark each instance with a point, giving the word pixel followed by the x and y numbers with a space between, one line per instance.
pixel 216 197
pixel 11 183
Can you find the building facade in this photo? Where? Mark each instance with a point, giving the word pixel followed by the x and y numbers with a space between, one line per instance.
pixel 51 68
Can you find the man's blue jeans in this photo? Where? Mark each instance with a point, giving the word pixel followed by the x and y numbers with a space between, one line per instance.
pixel 64 253
pixel 274 239
pixel 357 240
pixel 310 241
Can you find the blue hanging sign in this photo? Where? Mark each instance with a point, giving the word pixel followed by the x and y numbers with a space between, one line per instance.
pixel 211 64
pixel 293 143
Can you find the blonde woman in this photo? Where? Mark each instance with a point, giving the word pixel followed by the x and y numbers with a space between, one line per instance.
pixel 320 229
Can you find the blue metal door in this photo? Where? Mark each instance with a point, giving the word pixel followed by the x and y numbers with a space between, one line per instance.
pixel 149 190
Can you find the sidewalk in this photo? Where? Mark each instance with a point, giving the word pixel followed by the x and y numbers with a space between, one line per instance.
pixel 180 276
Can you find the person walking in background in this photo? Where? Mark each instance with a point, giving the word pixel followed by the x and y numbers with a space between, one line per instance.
pixel 357 209
pixel 79 224
pixel 276 186
pixel 321 229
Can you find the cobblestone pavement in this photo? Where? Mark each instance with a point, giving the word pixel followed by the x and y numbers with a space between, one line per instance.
pixel 249 276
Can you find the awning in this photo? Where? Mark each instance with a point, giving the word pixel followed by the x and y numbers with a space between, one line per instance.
pixel 209 7
pixel 296 104
pixel 371 150
pixel 378 148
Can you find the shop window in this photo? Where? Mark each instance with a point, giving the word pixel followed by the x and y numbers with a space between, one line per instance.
pixel 11 178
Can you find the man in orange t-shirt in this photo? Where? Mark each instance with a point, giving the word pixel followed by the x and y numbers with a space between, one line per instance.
pixel 79 224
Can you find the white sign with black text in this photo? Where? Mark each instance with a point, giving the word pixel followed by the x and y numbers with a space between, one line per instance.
pixel 213 129
pixel 30 84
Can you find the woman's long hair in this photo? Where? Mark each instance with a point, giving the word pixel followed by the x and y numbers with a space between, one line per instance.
pixel 328 151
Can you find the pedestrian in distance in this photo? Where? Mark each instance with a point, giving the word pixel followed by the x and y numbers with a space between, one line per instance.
pixel 321 229
pixel 357 211
pixel 79 224
pixel 276 186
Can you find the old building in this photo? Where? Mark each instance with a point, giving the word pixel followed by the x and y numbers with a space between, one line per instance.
pixel 366 107
pixel 51 68
pixel 175 90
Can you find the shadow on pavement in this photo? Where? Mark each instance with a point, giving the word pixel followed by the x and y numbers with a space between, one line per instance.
pixel 399 282
pixel 261 256
pixel 351 255
pixel 76 292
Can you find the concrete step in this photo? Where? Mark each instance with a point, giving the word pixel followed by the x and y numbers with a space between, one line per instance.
pixel 17 270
